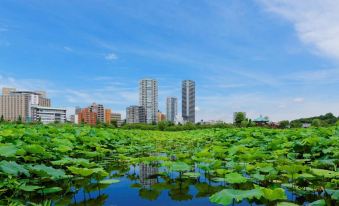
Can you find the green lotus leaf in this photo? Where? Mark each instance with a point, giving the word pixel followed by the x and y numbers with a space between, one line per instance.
pixel 63 148
pixel 218 179
pixel 12 168
pixel 180 167
pixel 318 203
pixel 275 194
pixel 50 190
pixel 29 188
pixel 34 149
pixel 100 171
pixel 8 150
pixel 109 181
pixel 7 133
pixel 286 204
pixel 44 171
pixel 325 173
pixel 258 177
pixel 226 196
pixel 335 195
pixel 235 178
pixel 81 171
pixel 192 174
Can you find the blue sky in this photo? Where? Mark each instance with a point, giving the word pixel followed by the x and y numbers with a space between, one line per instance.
pixel 269 57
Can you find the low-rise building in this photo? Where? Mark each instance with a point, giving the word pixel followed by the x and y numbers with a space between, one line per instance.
pixel 108 116
pixel 86 116
pixel 116 117
pixel 261 120
pixel 99 110
pixel 161 116
pixel 48 115
pixel 135 114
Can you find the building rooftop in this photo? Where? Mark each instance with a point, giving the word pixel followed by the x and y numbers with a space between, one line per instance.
pixel 50 108
pixel 261 119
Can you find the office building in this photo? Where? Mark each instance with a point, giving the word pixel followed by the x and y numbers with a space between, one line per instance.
pixel 48 115
pixel 161 116
pixel 116 117
pixel 188 101
pixel 108 116
pixel 135 114
pixel 171 108
pixel 86 116
pixel 17 104
pixel 148 98
pixel 99 110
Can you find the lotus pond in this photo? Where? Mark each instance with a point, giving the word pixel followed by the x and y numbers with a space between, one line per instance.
pixel 69 165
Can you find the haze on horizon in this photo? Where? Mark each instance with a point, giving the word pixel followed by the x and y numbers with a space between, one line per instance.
pixel 270 57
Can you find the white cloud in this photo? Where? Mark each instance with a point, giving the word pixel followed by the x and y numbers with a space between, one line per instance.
pixel 255 104
pixel 298 100
pixel 68 49
pixel 111 56
pixel 29 84
pixel 316 22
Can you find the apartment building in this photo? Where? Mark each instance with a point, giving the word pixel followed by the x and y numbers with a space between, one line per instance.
pixel 17 104
pixel 148 98
pixel 135 114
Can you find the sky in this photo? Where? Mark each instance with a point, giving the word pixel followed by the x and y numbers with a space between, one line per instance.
pixel 277 58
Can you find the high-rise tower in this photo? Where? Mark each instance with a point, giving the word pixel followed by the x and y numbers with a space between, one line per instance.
pixel 188 101
pixel 171 108
pixel 148 98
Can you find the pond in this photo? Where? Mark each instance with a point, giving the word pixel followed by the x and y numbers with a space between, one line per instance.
pixel 147 185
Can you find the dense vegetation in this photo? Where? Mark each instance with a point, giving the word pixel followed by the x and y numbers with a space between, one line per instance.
pixel 257 165
pixel 323 120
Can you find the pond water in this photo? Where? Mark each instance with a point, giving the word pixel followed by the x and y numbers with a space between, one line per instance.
pixel 147 185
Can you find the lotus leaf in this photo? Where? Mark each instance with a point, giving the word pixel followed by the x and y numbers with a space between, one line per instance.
pixel 12 168
pixel 50 190
pixel 318 203
pixel 109 181
pixel 235 178
pixel 8 150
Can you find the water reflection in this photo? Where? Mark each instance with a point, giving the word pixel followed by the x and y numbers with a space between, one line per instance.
pixel 148 184
pixel 148 175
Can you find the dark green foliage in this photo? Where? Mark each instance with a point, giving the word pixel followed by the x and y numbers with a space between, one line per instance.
pixel 284 124
pixel 325 120
pixel 239 118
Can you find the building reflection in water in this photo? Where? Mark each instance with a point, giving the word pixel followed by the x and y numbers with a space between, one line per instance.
pixel 148 175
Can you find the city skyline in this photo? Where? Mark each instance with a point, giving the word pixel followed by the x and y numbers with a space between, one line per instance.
pixel 260 56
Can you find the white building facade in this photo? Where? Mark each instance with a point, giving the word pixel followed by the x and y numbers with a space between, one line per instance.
pixel 171 108
pixel 47 115
pixel 148 98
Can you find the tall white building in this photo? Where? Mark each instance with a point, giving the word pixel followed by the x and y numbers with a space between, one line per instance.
pixel 171 108
pixel 148 98
pixel 188 101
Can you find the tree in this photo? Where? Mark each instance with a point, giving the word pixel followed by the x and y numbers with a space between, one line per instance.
pixel 114 123
pixel 244 123
pixel 162 125
pixel 284 124
pixel 316 123
pixel 19 121
pixel 296 124
pixel 2 118
pixel 239 117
